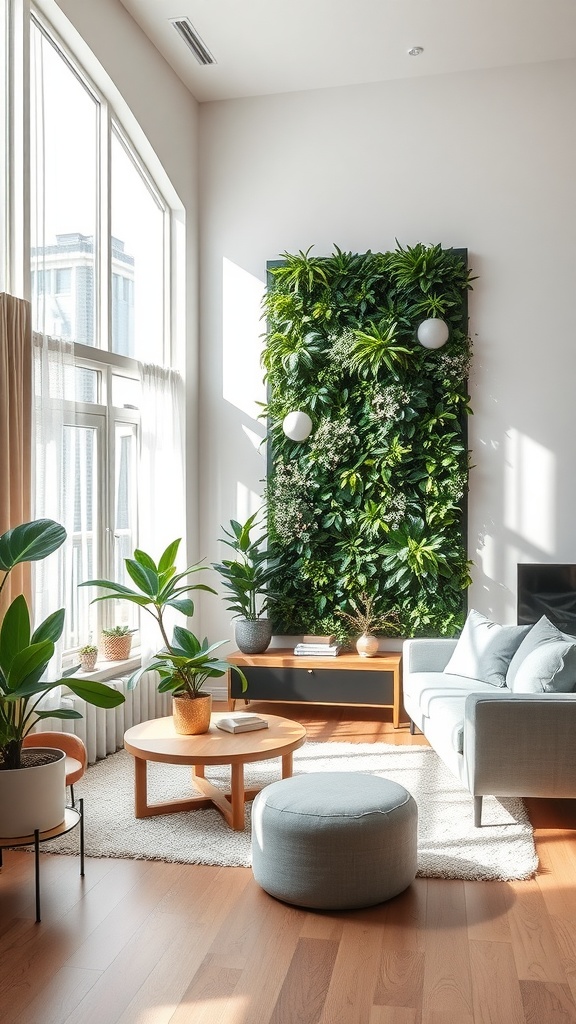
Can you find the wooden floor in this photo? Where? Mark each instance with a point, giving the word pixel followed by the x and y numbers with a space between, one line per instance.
pixel 141 942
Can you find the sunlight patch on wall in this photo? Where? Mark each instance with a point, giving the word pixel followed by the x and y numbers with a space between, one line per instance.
pixel 530 491
pixel 247 502
pixel 488 556
pixel 256 440
pixel 242 327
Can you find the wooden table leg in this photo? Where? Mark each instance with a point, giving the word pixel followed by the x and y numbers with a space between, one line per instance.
pixel 287 765
pixel 142 809
pixel 237 797
pixel 140 787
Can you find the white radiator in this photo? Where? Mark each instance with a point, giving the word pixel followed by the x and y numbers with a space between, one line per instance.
pixel 102 730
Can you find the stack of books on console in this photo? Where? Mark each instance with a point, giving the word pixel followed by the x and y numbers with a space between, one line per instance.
pixel 242 722
pixel 318 647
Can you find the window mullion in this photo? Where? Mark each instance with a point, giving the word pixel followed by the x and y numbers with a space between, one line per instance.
pixel 108 497
pixel 104 284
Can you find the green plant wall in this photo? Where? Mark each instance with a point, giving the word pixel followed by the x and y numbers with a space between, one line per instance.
pixel 374 501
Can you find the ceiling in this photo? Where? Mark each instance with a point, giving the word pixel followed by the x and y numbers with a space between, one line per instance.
pixel 264 47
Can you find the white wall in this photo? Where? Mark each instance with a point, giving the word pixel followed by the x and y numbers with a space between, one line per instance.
pixel 483 160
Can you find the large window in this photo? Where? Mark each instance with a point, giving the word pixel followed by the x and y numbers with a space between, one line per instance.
pixel 99 285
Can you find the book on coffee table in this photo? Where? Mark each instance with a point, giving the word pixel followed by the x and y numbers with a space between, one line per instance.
pixel 242 722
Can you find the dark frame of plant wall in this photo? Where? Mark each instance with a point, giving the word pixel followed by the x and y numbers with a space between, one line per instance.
pixel 374 501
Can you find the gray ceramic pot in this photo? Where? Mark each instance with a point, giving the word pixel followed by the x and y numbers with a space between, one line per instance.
pixel 253 636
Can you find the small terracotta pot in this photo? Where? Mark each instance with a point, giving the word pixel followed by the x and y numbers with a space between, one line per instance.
pixel 367 646
pixel 192 714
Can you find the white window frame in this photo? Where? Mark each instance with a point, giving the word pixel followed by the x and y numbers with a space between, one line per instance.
pixel 100 356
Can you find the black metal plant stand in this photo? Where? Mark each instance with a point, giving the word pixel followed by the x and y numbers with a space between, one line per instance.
pixel 73 816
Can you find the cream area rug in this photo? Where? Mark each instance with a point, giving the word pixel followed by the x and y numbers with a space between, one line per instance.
pixel 448 844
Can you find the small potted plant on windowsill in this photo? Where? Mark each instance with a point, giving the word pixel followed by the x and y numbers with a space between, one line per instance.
pixel 88 656
pixel 246 578
pixel 117 643
pixel 185 663
pixel 364 623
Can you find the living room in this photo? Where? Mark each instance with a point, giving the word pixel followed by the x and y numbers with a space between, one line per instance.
pixel 479 158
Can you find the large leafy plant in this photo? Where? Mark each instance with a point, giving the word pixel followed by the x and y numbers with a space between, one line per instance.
pixel 185 663
pixel 25 654
pixel 375 501
pixel 247 576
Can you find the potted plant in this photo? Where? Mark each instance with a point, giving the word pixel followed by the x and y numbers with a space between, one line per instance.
pixel 364 622
pixel 185 663
pixel 117 642
pixel 246 578
pixel 26 802
pixel 88 656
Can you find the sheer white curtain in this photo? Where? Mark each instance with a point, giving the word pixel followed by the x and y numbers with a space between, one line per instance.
pixel 161 474
pixel 53 374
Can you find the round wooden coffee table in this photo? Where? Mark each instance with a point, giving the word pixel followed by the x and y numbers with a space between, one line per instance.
pixel 157 741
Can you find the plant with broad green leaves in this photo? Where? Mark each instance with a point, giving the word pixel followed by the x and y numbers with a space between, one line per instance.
pixel 301 272
pixel 25 654
pixel 378 348
pixel 247 576
pixel 185 663
pixel 411 552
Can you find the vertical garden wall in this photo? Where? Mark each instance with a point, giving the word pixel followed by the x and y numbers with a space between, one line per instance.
pixel 373 501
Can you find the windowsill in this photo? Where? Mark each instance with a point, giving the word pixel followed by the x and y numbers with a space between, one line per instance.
pixel 110 669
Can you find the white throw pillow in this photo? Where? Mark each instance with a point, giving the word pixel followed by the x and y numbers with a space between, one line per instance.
pixel 485 649
pixel 545 661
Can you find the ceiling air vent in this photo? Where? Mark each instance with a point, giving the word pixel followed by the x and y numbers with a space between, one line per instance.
pixel 185 28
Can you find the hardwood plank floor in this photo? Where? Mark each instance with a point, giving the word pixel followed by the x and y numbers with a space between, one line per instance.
pixel 140 942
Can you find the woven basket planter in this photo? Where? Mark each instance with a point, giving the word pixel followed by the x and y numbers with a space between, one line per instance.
pixel 116 648
pixel 192 714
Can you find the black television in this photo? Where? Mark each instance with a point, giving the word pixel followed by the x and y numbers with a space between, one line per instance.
pixel 547 590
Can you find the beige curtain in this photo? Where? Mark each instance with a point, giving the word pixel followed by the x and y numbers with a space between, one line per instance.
pixel 15 430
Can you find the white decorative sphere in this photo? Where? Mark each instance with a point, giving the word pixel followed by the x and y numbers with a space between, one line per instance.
pixel 433 333
pixel 297 426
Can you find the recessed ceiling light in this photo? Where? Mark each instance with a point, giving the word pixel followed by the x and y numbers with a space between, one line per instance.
pixel 415 51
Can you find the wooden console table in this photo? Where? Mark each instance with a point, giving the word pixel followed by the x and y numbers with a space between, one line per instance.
pixel 279 675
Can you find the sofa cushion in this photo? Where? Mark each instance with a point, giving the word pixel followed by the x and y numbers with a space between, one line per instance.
pixel 485 649
pixel 545 661
pixel 426 689
pixel 445 727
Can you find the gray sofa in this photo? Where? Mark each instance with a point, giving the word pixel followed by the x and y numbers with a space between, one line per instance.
pixel 497 742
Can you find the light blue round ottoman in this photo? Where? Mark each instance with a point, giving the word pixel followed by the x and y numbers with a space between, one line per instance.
pixel 334 840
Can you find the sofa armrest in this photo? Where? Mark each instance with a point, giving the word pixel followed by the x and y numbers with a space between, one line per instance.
pixel 427 655
pixel 521 744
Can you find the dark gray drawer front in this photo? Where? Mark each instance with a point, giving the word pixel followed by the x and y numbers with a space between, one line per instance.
pixel 325 686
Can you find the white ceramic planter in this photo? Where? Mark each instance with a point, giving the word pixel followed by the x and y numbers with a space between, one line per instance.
pixel 33 798
pixel 367 646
